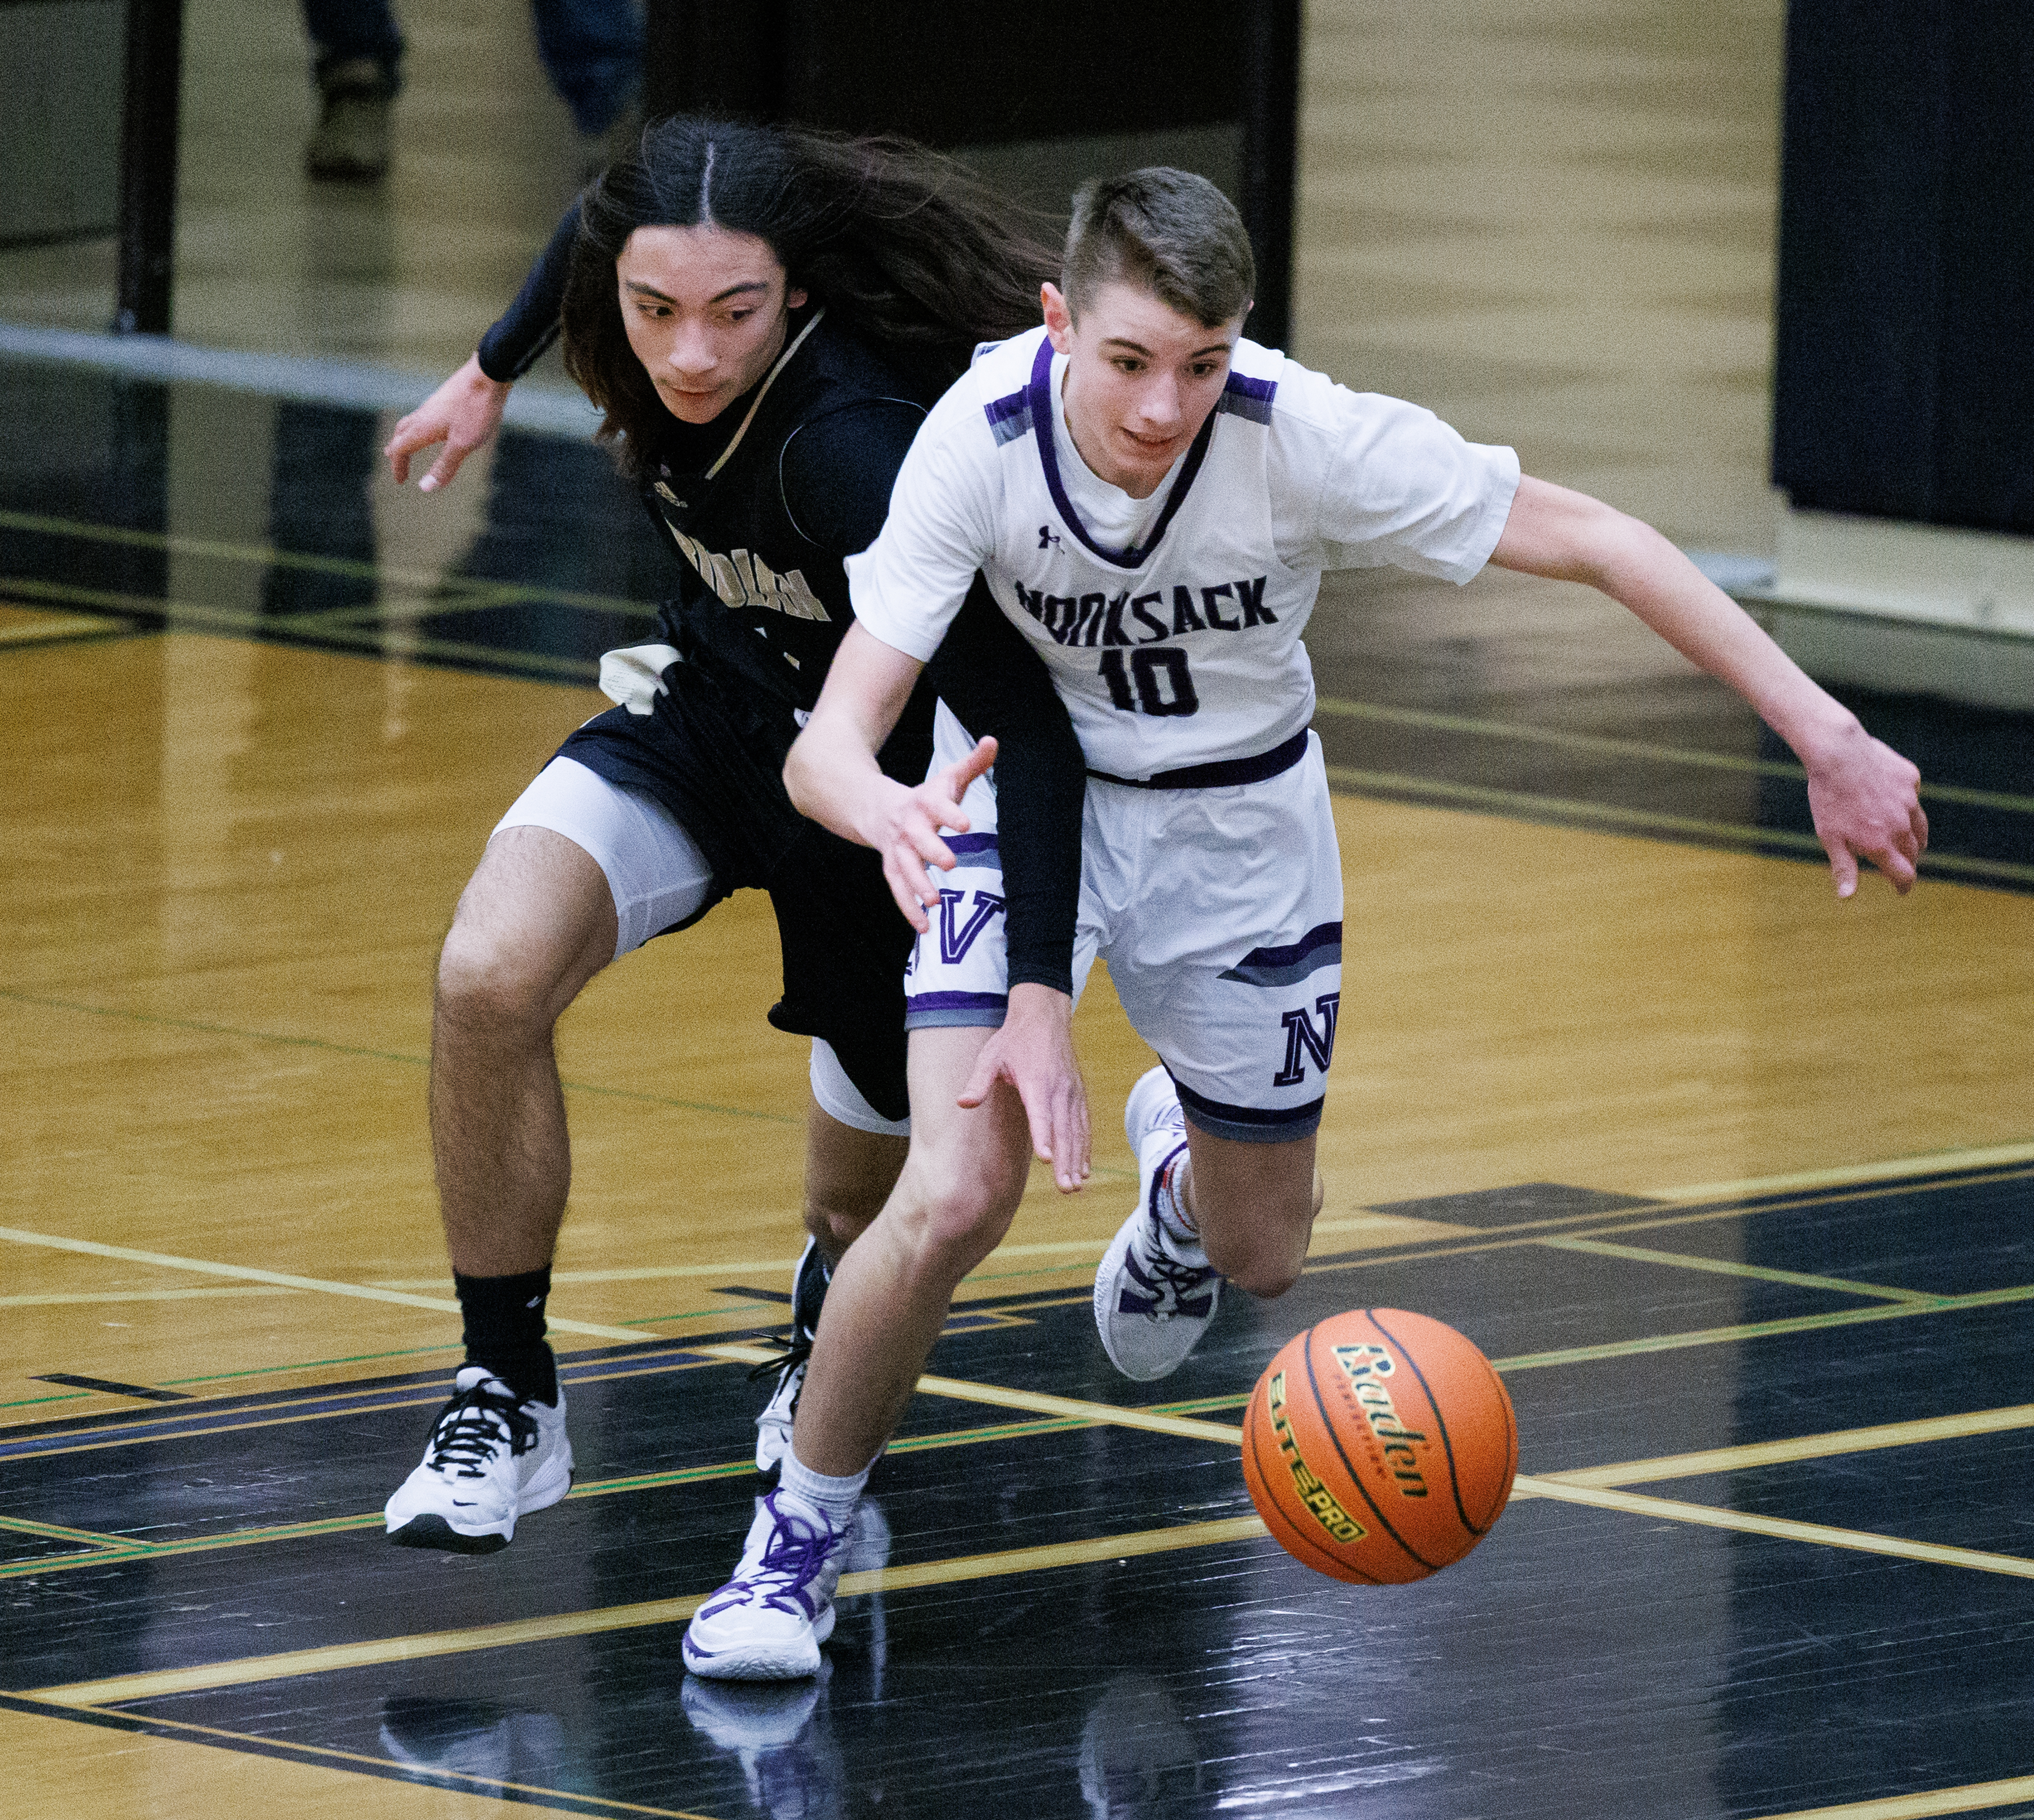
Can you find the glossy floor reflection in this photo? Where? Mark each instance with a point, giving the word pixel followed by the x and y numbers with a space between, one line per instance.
pixel 215 1571
pixel 188 507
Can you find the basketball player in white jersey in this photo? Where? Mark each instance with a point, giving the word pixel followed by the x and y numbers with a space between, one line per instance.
pixel 1152 500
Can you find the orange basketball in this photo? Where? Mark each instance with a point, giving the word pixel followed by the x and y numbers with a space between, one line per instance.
pixel 1379 1446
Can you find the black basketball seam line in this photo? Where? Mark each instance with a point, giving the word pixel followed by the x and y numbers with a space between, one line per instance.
pixel 1302 1537
pixel 1355 1478
pixel 1440 1420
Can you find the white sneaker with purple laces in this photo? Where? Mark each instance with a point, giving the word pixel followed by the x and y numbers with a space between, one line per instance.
pixel 1154 1294
pixel 768 1622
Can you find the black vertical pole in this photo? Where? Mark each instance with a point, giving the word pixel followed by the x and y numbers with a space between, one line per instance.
pixel 1271 158
pixel 148 165
pixel 714 57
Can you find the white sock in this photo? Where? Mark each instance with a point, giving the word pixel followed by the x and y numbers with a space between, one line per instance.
pixel 836 1497
pixel 1170 1202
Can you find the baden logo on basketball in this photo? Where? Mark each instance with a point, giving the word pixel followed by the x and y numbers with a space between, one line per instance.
pixel 1379 1446
pixel 1313 1494
pixel 1366 1366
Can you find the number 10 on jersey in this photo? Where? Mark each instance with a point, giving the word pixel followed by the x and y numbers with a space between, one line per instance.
pixel 1155 680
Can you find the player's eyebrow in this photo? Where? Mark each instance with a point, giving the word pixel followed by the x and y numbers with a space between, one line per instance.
pixel 1138 348
pixel 650 290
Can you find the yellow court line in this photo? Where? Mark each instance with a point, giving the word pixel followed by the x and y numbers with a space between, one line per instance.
pixel 734 1352
pixel 1563 737
pixel 1836 1441
pixel 1112 1414
pixel 92 1297
pixel 56 1532
pixel 1730 1267
pixel 165 1682
pixel 1863 1541
pixel 772 1267
pixel 51 626
pixel 1890 1170
pixel 1973 1798
pixel 1616 818
pixel 436 1305
pixel 291 1750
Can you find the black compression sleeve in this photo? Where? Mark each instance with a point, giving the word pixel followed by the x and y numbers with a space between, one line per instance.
pixel 530 324
pixel 995 685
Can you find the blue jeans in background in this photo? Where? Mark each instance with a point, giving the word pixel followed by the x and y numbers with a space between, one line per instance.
pixel 591 50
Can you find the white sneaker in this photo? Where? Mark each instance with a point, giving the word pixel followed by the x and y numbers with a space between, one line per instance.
pixel 773 1426
pixel 1154 1294
pixel 768 1622
pixel 490 1460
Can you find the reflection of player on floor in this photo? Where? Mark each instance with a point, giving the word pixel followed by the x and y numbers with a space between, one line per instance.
pixel 734 303
pixel 1152 500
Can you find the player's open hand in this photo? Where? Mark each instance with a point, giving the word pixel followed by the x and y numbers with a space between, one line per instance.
pixel 904 826
pixel 1034 1052
pixel 1866 801
pixel 463 414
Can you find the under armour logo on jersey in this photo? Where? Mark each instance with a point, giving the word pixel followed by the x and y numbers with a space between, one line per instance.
pixel 1048 538
pixel 1301 1035
pixel 956 938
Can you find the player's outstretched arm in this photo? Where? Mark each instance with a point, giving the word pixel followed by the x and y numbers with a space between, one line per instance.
pixel 1863 794
pixel 463 414
pixel 831 774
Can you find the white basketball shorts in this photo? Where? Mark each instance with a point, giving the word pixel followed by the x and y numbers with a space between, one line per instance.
pixel 1219 910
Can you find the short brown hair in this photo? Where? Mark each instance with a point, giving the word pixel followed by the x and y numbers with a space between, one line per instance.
pixel 1173 233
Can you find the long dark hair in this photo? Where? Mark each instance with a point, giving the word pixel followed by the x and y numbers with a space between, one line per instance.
pixel 902 246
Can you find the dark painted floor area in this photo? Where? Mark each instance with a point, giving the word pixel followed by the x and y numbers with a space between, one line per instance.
pixel 1582 1663
pixel 567 566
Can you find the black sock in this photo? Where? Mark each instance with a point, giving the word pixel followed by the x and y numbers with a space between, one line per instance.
pixel 505 1331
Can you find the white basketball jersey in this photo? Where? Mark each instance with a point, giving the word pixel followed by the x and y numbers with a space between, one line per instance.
pixel 1185 650
pixel 1182 650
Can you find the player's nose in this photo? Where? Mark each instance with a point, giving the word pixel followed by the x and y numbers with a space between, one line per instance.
pixel 1160 403
pixel 692 351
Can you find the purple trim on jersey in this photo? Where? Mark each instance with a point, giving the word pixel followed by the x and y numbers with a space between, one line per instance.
pixel 1049 458
pixel 1320 946
pixel 1242 396
pixel 1249 1124
pixel 1009 416
pixel 961 844
pixel 1221 773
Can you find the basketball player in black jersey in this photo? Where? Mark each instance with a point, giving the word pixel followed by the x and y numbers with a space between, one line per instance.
pixel 762 315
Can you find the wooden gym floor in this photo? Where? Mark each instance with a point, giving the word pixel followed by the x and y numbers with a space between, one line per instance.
pixel 1732 1182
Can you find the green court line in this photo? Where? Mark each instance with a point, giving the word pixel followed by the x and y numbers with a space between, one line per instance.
pixel 327 1046
pixel 267 556
pixel 1723 1267
pixel 179 616
pixel 1634 749
pixel 1764 1330
pixel 56 1532
pixel 108 1551
pixel 1638 821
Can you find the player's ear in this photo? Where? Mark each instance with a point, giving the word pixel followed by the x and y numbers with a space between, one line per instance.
pixel 794 299
pixel 1059 317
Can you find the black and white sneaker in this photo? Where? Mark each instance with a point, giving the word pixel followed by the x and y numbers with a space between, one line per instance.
pixel 773 1426
pixel 1154 1294
pixel 491 1459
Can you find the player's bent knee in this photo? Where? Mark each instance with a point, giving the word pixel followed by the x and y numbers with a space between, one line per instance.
pixel 954 1223
pixel 1264 1264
